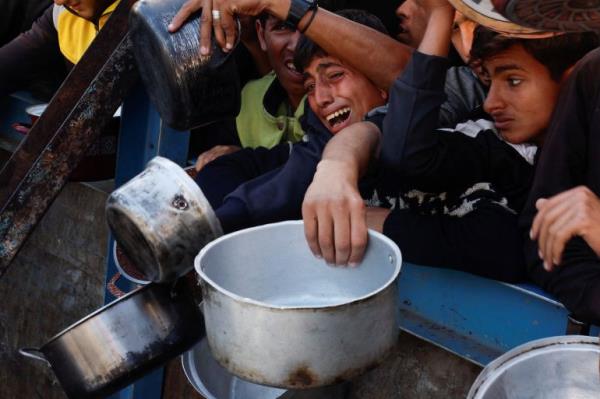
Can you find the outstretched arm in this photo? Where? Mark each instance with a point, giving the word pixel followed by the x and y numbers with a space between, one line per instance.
pixel 333 209
pixel 375 54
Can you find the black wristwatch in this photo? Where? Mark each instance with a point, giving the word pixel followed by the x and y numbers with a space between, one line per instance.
pixel 298 9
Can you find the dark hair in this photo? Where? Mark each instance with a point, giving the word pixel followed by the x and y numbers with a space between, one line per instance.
pixel 306 49
pixel 556 53
pixel 331 5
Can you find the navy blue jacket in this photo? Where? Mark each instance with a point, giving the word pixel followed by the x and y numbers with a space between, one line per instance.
pixel 276 195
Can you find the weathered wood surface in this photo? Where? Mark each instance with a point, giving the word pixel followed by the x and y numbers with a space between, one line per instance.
pixel 58 280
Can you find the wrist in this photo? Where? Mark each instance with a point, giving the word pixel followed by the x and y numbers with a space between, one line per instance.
pixel 297 11
pixel 342 169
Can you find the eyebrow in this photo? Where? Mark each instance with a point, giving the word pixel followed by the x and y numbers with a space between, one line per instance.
pixel 322 67
pixel 508 67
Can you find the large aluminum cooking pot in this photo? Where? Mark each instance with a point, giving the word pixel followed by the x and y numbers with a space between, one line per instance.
pixel 549 368
pixel 278 316
pixel 125 339
pixel 187 89
pixel 161 220
pixel 555 15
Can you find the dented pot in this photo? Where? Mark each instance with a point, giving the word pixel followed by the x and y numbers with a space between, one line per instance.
pixel 278 316
pixel 161 220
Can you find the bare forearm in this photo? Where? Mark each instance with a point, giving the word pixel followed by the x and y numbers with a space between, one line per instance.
pixel 355 147
pixel 373 53
pixel 436 40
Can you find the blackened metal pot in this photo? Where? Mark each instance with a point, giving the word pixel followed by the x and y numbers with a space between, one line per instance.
pixel 278 316
pixel 186 88
pixel 161 220
pixel 117 344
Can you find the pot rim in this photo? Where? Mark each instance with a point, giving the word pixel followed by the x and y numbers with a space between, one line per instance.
pixel 136 291
pixel 372 234
pixel 494 369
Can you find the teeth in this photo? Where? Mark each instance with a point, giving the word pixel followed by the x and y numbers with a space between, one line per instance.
pixel 337 113
pixel 291 66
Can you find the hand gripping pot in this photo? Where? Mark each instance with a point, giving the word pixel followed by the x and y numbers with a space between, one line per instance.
pixel 187 89
pixel 278 316
pixel 161 220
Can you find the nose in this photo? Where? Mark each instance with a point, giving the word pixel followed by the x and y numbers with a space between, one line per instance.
pixel 494 101
pixel 323 95
pixel 294 37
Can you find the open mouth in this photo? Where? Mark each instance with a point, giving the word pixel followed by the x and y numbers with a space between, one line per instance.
pixel 338 117
pixel 290 65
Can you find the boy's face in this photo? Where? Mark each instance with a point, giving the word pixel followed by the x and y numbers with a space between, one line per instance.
pixel 87 9
pixel 412 23
pixel 279 42
pixel 338 94
pixel 522 95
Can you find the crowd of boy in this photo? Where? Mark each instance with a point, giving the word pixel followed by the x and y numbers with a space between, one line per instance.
pixel 462 166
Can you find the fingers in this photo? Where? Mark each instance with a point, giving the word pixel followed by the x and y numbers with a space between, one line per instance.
pixel 335 231
pixel 553 236
pixel 311 229
pixel 559 219
pixel 358 236
pixel 341 238
pixel 206 27
pixel 325 236
pixel 535 227
pixel 217 19
pixel 188 8
pixel 228 26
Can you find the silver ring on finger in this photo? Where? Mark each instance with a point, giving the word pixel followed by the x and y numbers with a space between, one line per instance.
pixel 216 15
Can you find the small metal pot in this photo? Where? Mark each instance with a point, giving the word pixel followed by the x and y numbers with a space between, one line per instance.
pixel 161 219
pixel 277 316
pixel 187 89
pixel 112 347
pixel 549 368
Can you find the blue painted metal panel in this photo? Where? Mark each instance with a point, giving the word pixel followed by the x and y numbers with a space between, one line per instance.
pixel 476 318
pixel 143 136
pixel 12 109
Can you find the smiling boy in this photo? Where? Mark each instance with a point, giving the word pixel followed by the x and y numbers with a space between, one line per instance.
pixel 455 192
pixel 66 28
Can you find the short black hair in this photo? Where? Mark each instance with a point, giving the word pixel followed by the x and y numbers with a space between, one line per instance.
pixel 331 5
pixel 557 53
pixel 306 49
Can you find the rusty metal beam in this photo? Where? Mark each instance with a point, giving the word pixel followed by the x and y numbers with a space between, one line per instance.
pixel 74 119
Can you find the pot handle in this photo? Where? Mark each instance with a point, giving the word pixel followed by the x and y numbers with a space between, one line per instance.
pixel 30 352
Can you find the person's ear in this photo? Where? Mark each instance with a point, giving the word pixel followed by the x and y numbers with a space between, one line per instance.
pixel 260 32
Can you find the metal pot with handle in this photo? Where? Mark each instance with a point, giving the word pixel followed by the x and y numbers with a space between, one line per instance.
pixel 161 220
pixel 186 88
pixel 112 347
pixel 278 316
